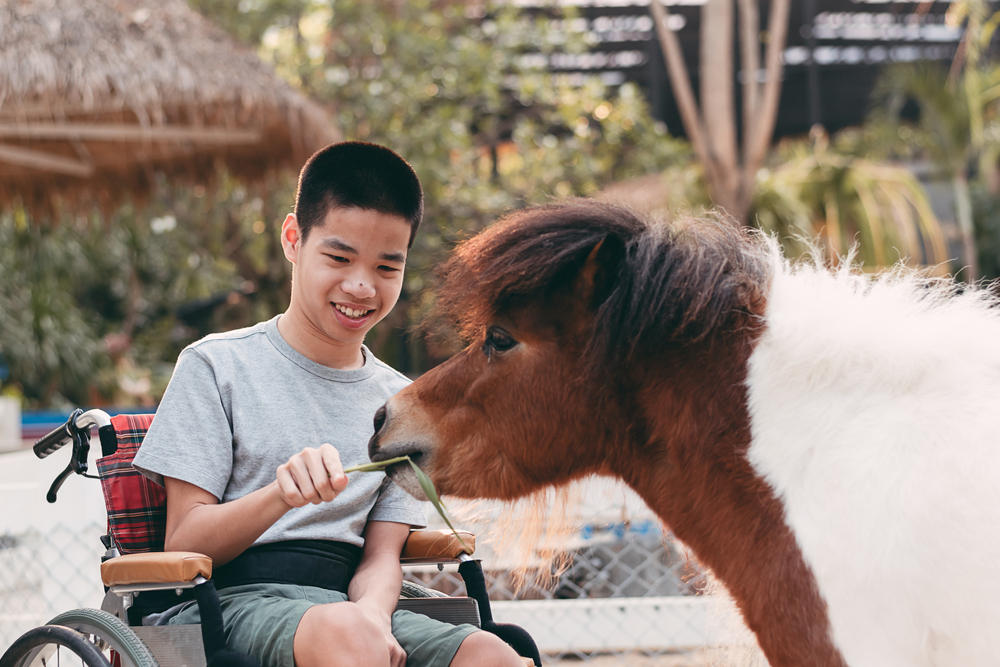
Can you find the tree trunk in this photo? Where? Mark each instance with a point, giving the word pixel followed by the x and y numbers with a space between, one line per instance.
pixel 680 84
pixel 717 103
pixel 762 130
pixel 963 211
pixel 730 177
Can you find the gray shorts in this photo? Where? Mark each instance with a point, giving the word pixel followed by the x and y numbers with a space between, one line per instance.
pixel 261 619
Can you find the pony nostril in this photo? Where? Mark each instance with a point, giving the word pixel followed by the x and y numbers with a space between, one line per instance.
pixel 379 418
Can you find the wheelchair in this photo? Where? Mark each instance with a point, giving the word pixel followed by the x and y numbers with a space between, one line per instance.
pixel 142 581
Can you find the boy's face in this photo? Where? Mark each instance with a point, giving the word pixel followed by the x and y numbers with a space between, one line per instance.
pixel 348 272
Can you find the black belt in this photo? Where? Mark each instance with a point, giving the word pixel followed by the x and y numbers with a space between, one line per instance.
pixel 319 563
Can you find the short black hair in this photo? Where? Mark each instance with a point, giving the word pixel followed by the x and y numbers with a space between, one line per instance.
pixel 356 174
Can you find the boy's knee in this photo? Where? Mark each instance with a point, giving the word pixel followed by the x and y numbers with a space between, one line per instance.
pixel 338 634
pixel 486 649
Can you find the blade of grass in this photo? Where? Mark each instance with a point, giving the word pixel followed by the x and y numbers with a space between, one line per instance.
pixel 425 484
pixel 377 466
pixel 431 493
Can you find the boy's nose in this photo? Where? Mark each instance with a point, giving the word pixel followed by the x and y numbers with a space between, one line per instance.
pixel 360 286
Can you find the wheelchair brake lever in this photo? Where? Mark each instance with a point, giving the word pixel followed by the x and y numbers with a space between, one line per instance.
pixel 81 450
pixel 77 463
pixel 58 481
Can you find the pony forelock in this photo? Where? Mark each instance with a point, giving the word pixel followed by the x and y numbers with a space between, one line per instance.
pixel 676 283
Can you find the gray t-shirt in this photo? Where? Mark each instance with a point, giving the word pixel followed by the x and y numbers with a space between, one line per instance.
pixel 239 404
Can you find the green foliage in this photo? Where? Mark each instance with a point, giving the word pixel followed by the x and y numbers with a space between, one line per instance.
pixel 249 20
pixel 817 192
pixel 49 346
pixel 926 112
pixel 97 307
pixel 986 211
pixel 461 97
pixel 920 113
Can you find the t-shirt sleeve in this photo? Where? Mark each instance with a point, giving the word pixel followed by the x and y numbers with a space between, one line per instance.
pixel 395 504
pixel 190 438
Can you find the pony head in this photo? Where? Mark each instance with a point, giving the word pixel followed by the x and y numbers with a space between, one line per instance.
pixel 567 309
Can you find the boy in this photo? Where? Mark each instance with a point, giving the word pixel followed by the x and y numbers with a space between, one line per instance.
pixel 307 564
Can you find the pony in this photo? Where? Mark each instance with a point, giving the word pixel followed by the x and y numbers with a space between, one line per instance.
pixel 825 441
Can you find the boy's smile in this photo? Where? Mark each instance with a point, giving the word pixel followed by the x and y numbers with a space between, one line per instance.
pixel 352 317
pixel 347 276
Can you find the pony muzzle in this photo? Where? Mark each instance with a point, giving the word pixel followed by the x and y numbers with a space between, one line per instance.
pixel 383 445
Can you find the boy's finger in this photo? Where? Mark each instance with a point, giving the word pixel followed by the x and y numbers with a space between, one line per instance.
pixel 300 473
pixel 319 475
pixel 334 468
pixel 289 489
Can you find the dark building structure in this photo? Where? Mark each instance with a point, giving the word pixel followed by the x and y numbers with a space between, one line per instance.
pixel 834 52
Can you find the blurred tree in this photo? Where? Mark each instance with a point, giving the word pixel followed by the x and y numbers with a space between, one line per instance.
pixel 852 205
pixel 941 132
pixel 819 193
pixel 947 116
pixel 730 171
pixel 100 304
pixel 96 308
pixel 49 346
pixel 834 191
pixel 454 87
pixel 986 213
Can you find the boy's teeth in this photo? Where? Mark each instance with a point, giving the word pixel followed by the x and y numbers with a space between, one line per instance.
pixel 350 312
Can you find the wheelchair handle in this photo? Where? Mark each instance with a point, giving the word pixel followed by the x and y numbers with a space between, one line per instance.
pixel 56 438
pixel 77 429
pixel 78 421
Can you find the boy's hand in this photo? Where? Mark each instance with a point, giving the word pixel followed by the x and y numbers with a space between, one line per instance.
pixel 314 475
pixel 397 656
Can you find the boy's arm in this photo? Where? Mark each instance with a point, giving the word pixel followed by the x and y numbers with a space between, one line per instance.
pixel 375 586
pixel 197 521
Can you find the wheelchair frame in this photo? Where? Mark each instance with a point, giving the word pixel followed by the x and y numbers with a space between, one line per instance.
pixel 108 637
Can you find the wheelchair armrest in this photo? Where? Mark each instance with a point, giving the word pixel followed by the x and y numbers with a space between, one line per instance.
pixel 436 546
pixel 155 568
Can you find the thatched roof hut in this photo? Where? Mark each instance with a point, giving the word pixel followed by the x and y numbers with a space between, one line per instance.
pixel 96 95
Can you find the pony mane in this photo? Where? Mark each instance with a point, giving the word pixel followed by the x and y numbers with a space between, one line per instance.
pixel 899 326
pixel 673 284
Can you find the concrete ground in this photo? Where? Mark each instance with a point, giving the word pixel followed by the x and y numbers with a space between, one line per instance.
pixel 697 658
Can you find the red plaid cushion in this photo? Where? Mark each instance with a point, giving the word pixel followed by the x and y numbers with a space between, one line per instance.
pixel 137 507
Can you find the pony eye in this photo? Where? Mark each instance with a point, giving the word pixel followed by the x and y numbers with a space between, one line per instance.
pixel 498 340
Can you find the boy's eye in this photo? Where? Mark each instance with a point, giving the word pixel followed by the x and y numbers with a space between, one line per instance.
pixel 338 258
pixel 388 269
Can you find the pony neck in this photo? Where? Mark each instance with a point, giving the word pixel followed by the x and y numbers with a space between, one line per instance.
pixel 700 483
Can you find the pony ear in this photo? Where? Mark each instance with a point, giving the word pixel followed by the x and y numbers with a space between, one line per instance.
pixel 598 276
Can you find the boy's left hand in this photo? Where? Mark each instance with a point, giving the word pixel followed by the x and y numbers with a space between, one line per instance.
pixel 397 656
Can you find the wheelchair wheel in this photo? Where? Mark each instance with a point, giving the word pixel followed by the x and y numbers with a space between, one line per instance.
pixel 49 645
pixel 109 634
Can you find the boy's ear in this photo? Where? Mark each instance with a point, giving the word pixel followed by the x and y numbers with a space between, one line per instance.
pixel 291 237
